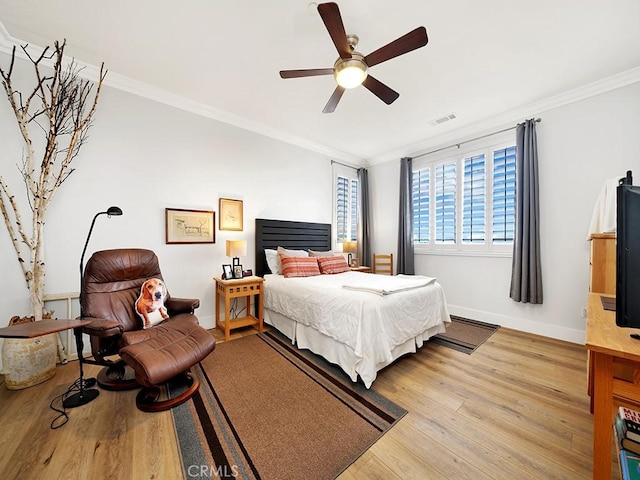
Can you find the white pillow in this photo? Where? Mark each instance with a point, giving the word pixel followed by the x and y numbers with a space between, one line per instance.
pixel 287 252
pixel 273 262
pixel 293 253
pixel 329 253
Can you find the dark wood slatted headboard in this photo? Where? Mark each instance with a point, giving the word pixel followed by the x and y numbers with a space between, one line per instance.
pixel 287 234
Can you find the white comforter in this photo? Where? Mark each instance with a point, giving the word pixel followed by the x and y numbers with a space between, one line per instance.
pixel 385 284
pixel 370 323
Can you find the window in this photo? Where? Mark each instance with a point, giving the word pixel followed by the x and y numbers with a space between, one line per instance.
pixel 504 194
pixel 473 200
pixel 466 201
pixel 353 211
pixel 445 203
pixel 346 206
pixel 420 200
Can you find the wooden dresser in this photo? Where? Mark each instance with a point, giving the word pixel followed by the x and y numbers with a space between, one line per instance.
pixel 614 358
pixel 609 347
pixel 603 263
pixel 602 280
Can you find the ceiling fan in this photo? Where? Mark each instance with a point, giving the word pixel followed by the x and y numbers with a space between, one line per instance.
pixel 351 68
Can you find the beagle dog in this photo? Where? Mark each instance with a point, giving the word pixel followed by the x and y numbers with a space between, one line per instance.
pixel 150 303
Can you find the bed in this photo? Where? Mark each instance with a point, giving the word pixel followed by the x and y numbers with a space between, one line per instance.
pixel 358 321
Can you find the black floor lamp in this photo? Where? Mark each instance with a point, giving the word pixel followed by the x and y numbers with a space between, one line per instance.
pixel 86 393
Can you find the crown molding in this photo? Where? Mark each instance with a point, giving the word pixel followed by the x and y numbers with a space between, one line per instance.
pixel 162 96
pixel 512 116
pixel 144 90
pixel 6 41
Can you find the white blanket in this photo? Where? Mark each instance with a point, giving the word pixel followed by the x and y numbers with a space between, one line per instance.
pixel 371 325
pixel 385 284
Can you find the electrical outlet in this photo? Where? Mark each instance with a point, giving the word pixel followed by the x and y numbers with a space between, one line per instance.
pixel 584 312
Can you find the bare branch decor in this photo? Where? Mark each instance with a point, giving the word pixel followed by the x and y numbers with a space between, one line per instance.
pixel 60 107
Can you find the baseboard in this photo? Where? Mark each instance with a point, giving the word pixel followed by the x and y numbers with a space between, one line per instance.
pixel 524 325
pixel 207 321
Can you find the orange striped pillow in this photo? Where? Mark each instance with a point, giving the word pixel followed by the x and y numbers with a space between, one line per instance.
pixel 331 265
pixel 299 266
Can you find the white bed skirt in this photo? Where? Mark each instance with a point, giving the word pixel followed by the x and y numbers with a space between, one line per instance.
pixel 339 353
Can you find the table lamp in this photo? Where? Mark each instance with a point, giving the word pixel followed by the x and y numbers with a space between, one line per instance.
pixel 350 248
pixel 236 249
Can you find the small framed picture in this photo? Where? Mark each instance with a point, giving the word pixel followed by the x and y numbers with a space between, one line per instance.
pixel 227 272
pixel 237 271
pixel 355 263
pixel 230 214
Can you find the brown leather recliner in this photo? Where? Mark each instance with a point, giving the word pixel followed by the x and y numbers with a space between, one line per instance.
pixel 110 286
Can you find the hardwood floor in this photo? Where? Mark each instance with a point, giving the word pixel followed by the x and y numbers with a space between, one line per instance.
pixel 516 408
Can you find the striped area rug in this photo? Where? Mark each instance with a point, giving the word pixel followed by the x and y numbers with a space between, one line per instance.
pixel 266 410
pixel 465 335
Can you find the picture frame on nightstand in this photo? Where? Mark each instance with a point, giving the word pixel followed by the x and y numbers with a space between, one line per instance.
pixel 237 271
pixel 227 272
pixel 355 263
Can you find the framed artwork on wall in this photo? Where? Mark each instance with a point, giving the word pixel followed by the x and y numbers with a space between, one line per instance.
pixel 189 226
pixel 230 214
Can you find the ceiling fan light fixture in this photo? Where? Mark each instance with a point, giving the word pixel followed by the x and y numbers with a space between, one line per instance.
pixel 350 72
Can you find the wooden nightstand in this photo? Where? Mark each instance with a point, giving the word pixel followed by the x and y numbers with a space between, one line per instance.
pixel 362 269
pixel 242 287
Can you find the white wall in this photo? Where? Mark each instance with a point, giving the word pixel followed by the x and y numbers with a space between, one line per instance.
pixel 580 146
pixel 143 156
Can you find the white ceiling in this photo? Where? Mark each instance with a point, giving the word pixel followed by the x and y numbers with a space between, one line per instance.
pixel 484 59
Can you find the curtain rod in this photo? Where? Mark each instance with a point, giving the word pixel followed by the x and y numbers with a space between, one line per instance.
pixel 344 165
pixel 538 120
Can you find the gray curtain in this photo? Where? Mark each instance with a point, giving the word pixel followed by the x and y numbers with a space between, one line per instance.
pixel 405 227
pixel 364 238
pixel 526 272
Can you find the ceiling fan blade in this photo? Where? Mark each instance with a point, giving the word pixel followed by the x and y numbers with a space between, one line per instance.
pixel 333 101
pixel 415 39
pixel 330 14
pixel 305 73
pixel 380 90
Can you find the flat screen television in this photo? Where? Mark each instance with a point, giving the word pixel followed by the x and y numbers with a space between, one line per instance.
pixel 628 253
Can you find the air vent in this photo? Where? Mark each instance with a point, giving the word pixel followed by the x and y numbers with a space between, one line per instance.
pixel 444 119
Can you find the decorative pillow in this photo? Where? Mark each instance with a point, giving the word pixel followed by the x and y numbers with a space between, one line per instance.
pixel 299 266
pixel 150 304
pixel 331 265
pixel 273 262
pixel 289 253
pixel 292 253
pixel 313 253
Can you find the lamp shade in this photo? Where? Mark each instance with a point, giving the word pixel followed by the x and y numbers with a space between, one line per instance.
pixel 111 211
pixel 236 248
pixel 350 247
